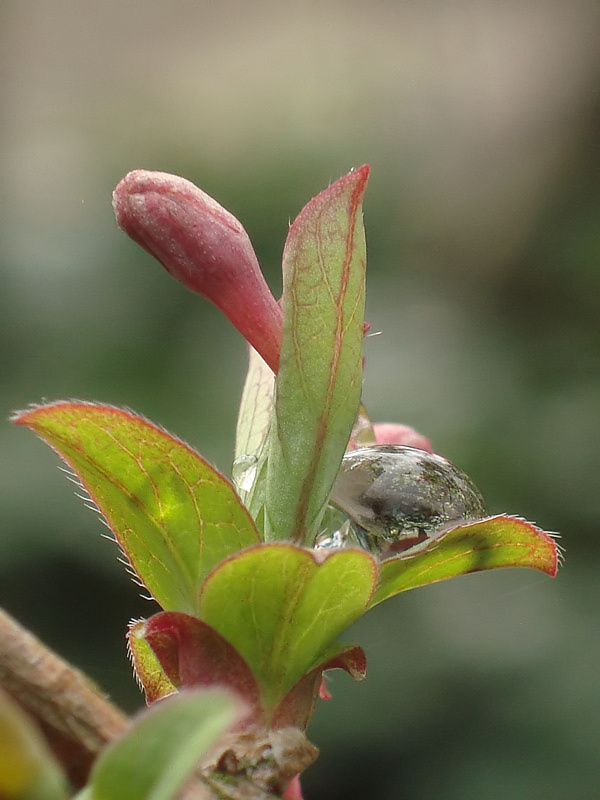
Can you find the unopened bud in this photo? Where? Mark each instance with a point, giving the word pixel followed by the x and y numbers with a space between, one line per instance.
pixel 203 246
pixel 394 433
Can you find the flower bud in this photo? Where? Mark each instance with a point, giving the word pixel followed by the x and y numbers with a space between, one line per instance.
pixel 394 433
pixel 203 246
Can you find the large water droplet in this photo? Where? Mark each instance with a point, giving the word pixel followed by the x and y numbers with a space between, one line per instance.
pixel 397 497
pixel 243 472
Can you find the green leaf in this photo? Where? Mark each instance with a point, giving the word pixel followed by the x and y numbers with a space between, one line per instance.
pixel 163 746
pixel 500 541
pixel 173 515
pixel 28 771
pixel 320 368
pixel 282 609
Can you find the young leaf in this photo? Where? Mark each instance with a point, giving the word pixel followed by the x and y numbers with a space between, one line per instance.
pixel 319 379
pixel 500 541
pixel 282 610
pixel 254 419
pixel 163 746
pixel 173 515
pixel 191 655
pixel 28 770
pixel 255 407
pixel 297 706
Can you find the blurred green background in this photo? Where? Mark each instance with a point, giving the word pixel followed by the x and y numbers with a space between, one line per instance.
pixel 480 120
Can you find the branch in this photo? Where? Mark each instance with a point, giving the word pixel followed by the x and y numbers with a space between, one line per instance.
pixel 76 719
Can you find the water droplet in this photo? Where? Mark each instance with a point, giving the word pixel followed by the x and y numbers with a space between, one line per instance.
pixel 336 531
pixel 334 540
pixel 397 497
pixel 243 472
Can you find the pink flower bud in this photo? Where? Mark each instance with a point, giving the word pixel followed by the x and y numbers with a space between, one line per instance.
pixel 394 433
pixel 203 246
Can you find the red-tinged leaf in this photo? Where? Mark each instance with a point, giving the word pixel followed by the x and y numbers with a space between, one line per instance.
pixel 173 515
pixel 351 659
pixel 500 541
pixel 282 609
pixel 297 706
pixel 318 384
pixel 191 655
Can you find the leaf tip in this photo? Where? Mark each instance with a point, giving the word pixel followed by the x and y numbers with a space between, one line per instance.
pixel 361 175
pixel 550 555
pixel 27 416
pixel 558 550
pixel 21 417
pixel 356 181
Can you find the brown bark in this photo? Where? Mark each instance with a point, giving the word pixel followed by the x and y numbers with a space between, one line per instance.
pixel 75 717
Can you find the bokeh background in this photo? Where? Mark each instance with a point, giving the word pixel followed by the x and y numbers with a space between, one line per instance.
pixel 480 120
